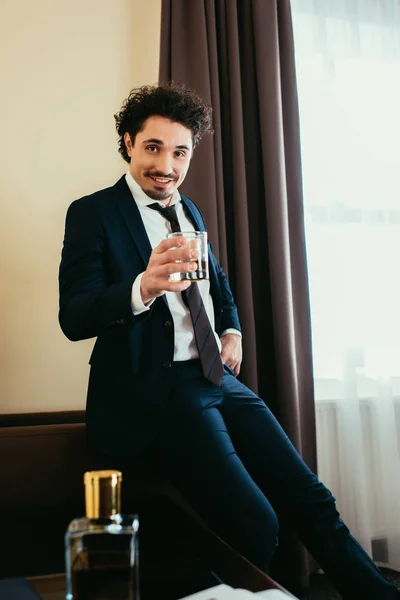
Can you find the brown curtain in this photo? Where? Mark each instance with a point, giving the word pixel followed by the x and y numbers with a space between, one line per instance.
pixel 239 56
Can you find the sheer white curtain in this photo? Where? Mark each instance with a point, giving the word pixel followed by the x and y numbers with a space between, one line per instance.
pixel 348 72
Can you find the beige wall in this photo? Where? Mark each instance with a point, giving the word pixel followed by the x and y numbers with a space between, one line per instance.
pixel 66 66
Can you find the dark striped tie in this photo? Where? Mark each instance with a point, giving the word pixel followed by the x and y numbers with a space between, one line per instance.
pixel 209 354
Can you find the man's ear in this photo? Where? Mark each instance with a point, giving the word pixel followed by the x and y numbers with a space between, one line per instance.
pixel 128 143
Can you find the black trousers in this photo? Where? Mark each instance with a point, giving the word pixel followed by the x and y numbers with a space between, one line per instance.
pixel 227 454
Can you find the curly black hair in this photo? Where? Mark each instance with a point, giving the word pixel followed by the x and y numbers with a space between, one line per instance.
pixel 173 101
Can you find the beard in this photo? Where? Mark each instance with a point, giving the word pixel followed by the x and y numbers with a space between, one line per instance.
pixel 160 193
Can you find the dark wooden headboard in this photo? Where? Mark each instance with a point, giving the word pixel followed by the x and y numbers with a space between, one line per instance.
pixel 42 461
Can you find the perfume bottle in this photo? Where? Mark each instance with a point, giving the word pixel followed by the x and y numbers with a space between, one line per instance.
pixel 101 549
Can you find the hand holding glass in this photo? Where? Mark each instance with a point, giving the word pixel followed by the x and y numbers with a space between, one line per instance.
pixel 195 240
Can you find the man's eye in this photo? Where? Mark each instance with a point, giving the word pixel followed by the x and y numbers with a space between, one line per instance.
pixel 180 154
pixel 152 148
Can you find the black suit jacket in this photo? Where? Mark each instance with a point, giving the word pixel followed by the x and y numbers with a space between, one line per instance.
pixel 105 248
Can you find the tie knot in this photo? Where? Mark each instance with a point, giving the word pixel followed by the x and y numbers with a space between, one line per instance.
pixel 169 213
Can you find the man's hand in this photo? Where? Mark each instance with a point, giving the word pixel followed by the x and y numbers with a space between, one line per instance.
pixel 155 280
pixel 231 353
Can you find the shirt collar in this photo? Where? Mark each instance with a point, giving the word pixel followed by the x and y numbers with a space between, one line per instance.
pixel 140 197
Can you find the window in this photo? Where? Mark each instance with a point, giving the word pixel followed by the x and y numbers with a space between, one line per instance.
pixel 348 74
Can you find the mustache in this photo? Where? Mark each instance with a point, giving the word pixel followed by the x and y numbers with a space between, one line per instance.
pixel 158 174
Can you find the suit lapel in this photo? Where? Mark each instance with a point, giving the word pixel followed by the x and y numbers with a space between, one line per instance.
pixel 130 212
pixel 192 214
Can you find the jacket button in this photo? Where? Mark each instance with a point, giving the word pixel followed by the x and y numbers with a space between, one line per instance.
pixel 168 324
pixel 167 364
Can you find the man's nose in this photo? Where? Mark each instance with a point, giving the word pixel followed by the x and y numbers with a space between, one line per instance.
pixel 164 164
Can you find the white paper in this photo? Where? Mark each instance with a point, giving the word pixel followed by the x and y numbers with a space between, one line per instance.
pixel 225 592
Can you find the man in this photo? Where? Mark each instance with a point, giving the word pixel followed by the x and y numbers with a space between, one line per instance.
pixel 164 366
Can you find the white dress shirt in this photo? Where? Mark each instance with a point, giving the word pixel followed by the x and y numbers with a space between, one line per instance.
pixel 157 229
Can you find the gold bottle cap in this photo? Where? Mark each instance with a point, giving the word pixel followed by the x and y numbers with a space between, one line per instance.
pixel 102 493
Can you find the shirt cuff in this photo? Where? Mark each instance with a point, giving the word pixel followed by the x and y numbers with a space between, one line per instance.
pixel 136 298
pixel 231 330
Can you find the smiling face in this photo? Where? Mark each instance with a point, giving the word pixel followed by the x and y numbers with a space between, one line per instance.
pixel 160 157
